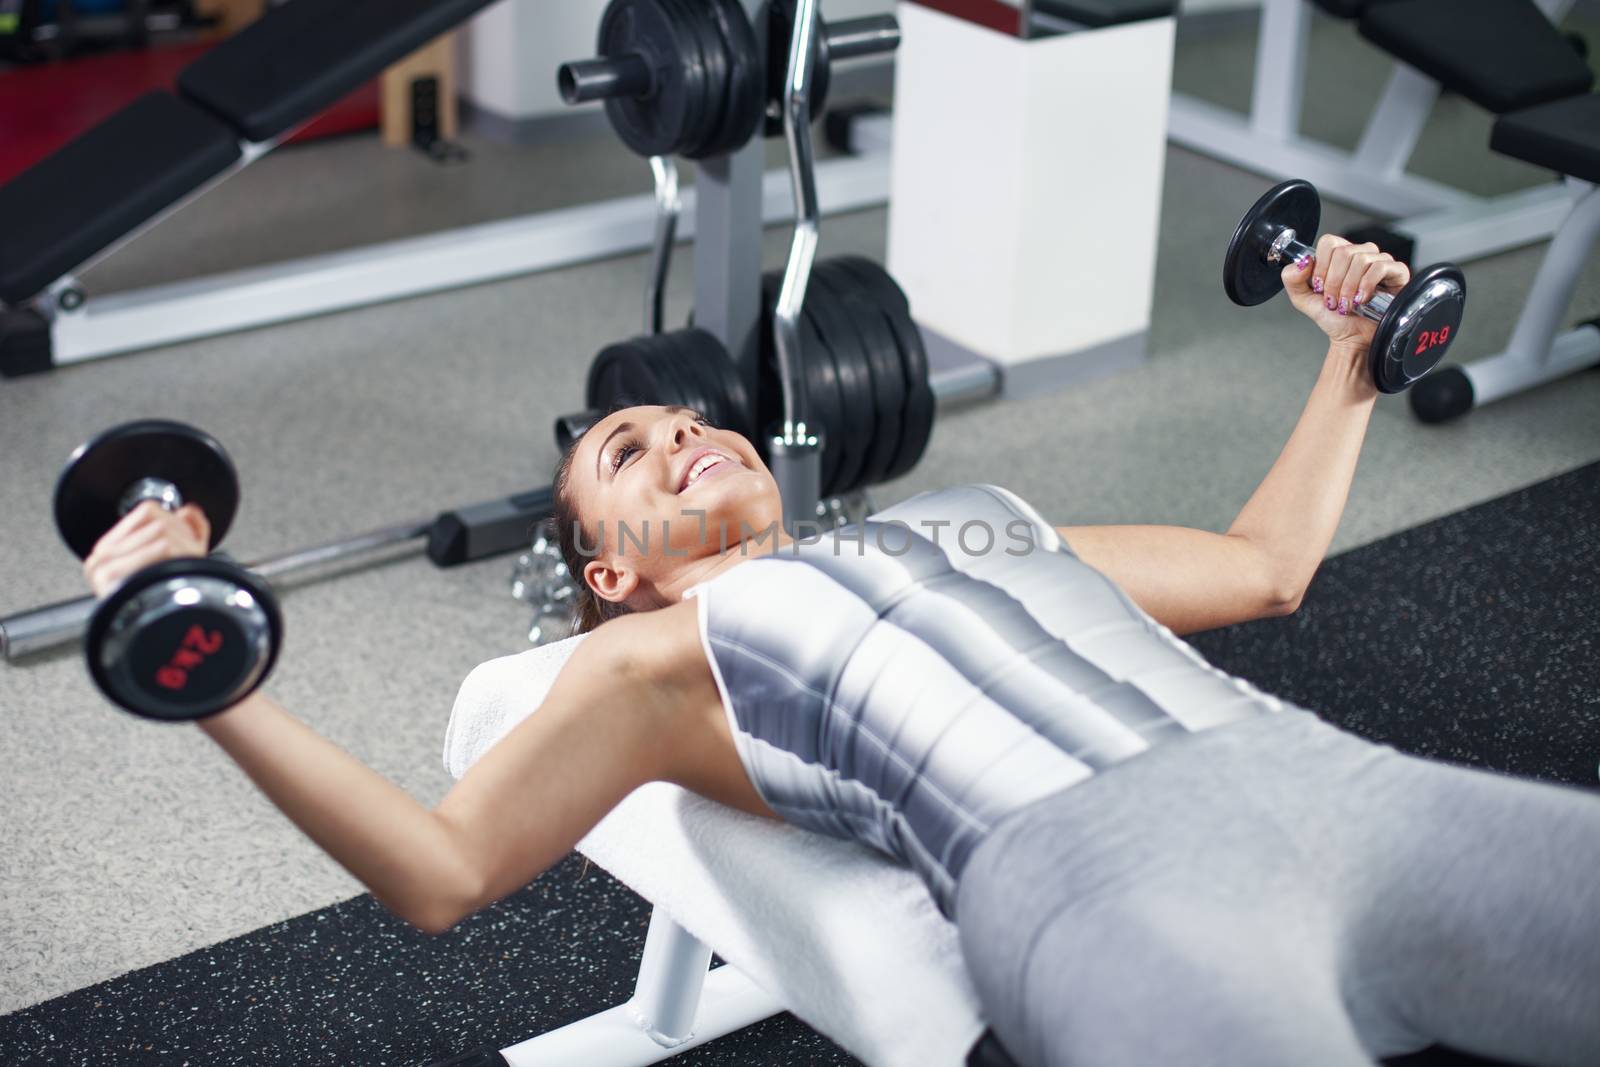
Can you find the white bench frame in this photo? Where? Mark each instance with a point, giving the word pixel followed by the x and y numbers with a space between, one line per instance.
pixel 1536 353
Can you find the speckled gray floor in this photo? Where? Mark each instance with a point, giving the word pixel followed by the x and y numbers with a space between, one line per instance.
pixel 126 844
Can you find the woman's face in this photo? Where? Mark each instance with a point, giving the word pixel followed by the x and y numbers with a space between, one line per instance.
pixel 659 488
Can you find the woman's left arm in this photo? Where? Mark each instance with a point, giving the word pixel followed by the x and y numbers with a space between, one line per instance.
pixel 1193 580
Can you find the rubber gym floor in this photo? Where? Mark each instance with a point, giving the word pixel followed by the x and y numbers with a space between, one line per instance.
pixel 153 909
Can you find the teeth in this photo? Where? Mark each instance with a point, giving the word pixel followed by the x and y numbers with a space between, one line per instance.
pixel 703 464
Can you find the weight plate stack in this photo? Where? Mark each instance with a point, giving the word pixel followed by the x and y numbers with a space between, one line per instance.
pixel 872 336
pixel 874 285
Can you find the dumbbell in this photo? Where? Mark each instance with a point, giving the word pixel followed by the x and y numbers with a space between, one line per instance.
pixel 183 638
pixel 1416 326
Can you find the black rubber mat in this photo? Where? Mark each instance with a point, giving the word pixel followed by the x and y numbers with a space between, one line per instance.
pixel 1471 639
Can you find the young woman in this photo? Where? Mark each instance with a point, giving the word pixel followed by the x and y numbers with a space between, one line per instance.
pixel 1148 861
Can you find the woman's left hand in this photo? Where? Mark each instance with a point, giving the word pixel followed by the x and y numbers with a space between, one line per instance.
pixel 1343 278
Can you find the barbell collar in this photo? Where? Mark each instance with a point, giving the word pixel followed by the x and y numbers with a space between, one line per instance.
pixel 584 80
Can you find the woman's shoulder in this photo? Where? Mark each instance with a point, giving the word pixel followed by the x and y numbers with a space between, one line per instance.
pixel 657 643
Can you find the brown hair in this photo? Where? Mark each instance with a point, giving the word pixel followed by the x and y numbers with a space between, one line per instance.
pixel 591 610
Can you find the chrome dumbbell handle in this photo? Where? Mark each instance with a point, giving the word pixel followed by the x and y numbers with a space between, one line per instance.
pixel 163 492
pixel 1288 248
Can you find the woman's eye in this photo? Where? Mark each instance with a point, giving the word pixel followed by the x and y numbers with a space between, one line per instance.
pixel 621 455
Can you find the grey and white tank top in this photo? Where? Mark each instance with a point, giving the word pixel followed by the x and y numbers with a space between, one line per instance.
pixel 909 682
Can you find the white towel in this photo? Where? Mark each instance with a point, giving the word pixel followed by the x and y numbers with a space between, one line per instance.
pixel 846 938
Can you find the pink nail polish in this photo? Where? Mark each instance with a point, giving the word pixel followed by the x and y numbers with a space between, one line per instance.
pixel 1316 285
pixel 1304 263
pixel 1329 302
pixel 1355 301
pixel 1344 306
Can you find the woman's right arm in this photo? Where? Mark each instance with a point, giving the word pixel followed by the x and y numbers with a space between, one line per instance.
pixel 601 732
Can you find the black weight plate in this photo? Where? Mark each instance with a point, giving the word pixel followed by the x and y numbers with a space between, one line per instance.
pixel 836 317
pixel 660 123
pixel 688 369
pixel 779 29
pixel 917 420
pixel 705 52
pixel 1418 328
pixel 229 670
pixel 745 97
pixel 858 415
pixel 871 277
pixel 717 368
pixel 89 491
pixel 822 393
pixel 884 360
pixel 670 379
pixel 1247 277
pixel 629 372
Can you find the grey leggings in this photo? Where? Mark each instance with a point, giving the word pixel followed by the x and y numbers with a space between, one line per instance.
pixel 1278 892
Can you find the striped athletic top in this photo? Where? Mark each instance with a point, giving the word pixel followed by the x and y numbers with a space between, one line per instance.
pixel 909 682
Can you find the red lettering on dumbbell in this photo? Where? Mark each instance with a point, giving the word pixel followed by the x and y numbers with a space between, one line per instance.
pixel 1430 338
pixel 197 644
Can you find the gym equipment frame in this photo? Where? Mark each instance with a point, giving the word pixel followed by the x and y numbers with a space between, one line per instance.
pixel 90 327
pixel 1442 222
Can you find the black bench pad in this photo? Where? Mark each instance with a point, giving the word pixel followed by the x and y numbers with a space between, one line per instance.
pixel 1348 9
pixel 105 183
pixel 1500 54
pixel 1564 136
pixel 300 58
pixel 1099 13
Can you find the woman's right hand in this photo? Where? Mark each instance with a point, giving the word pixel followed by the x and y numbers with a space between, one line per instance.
pixel 1330 289
pixel 148 534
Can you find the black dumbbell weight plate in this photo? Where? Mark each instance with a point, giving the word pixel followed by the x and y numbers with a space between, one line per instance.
pixel 1418 328
pixel 661 122
pixel 744 93
pixel 89 493
pixel 883 357
pixel 184 638
pixel 1247 277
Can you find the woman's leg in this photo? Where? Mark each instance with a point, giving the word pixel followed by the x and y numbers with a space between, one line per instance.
pixel 1480 920
pixel 1162 913
pixel 1154 978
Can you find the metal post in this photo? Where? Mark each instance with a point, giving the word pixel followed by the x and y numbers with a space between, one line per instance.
pixel 1396 123
pixel 1280 65
pixel 727 242
pixel 672 972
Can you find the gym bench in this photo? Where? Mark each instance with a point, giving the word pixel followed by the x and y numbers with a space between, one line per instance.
pixel 1503 55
